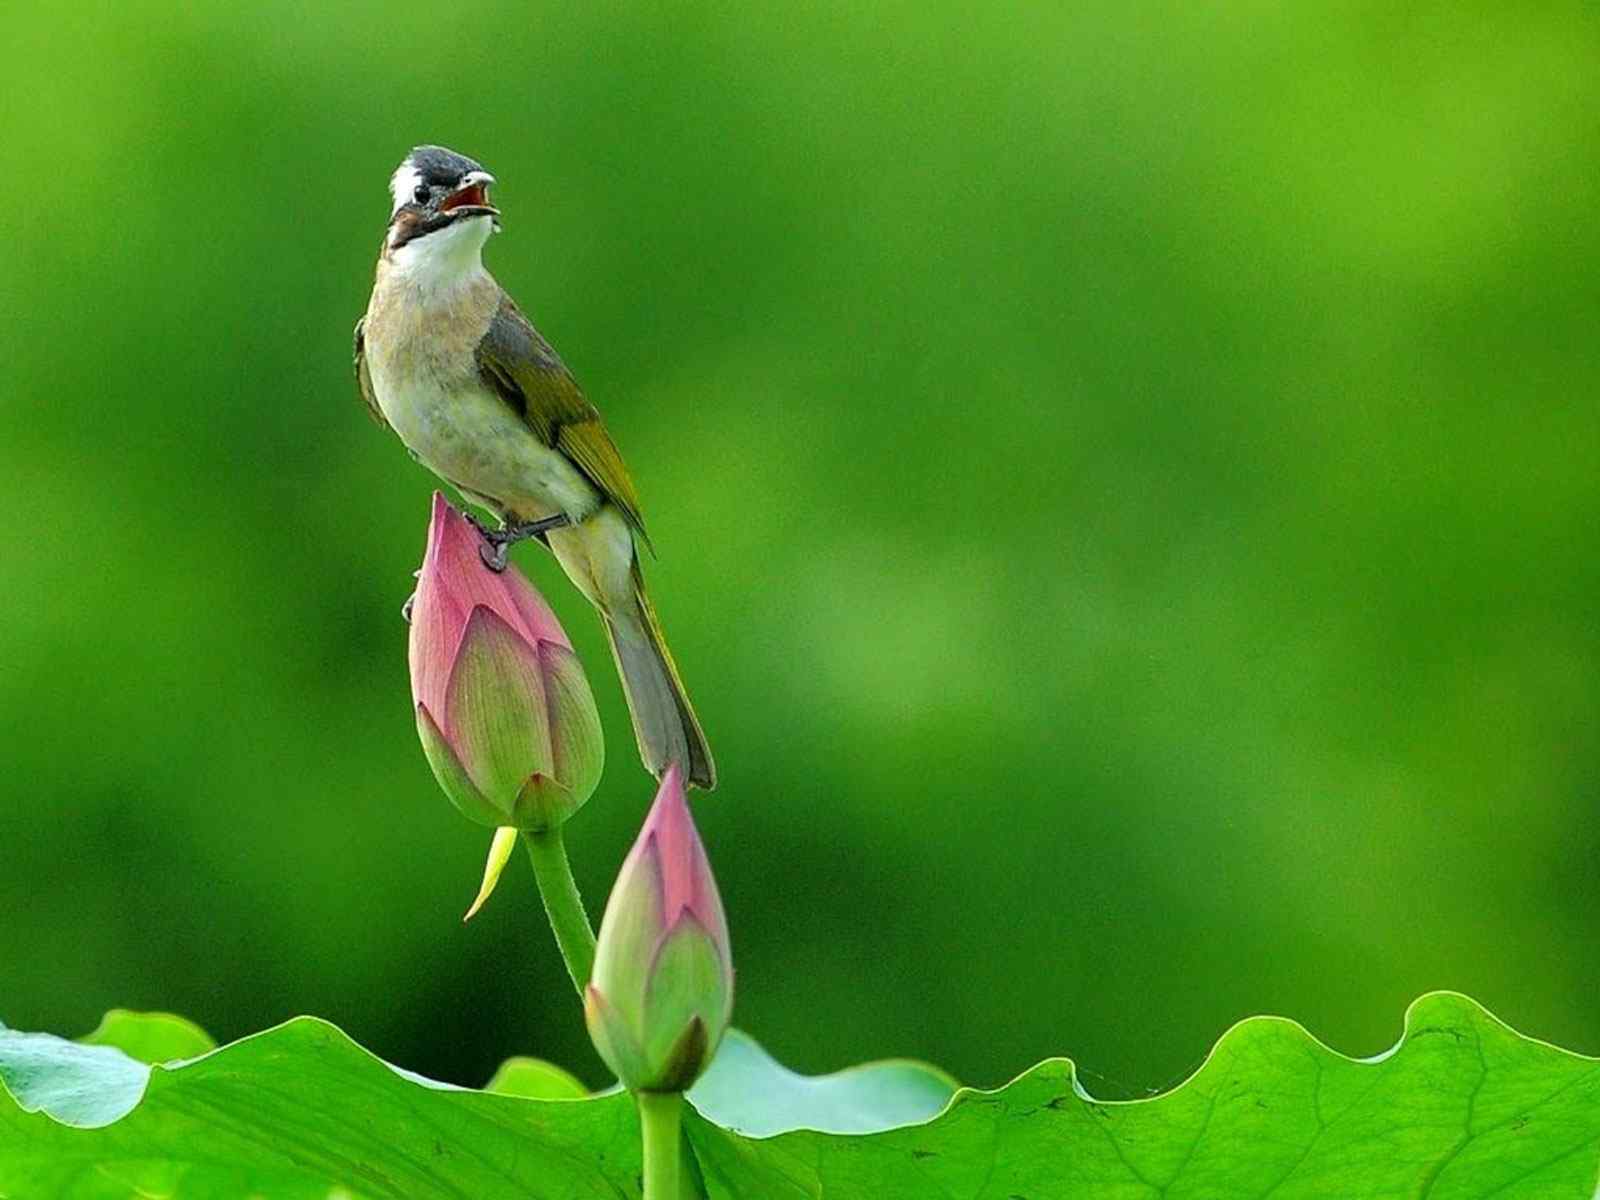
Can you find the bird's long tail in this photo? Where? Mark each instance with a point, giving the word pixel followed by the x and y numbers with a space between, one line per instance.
pixel 664 721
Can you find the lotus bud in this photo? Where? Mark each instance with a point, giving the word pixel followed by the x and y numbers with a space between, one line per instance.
pixel 504 710
pixel 662 990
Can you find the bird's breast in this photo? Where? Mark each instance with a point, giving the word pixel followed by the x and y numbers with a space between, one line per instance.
pixel 423 363
pixel 416 331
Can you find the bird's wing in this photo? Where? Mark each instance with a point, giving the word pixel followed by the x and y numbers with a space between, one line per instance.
pixel 516 361
pixel 364 377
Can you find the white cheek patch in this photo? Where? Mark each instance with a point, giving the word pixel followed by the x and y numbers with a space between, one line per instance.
pixel 404 181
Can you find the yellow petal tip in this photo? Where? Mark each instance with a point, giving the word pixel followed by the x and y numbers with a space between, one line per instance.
pixel 499 852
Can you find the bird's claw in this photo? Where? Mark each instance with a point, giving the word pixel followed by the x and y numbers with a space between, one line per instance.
pixel 496 542
pixel 493 552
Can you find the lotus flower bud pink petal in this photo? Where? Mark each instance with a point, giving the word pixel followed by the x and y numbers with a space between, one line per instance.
pixel 662 990
pixel 504 711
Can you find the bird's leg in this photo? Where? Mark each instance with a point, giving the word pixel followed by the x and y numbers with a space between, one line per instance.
pixel 521 531
pixel 496 542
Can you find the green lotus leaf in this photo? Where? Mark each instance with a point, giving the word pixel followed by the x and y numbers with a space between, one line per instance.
pixel 747 1091
pixel 535 1079
pixel 1463 1108
pixel 150 1037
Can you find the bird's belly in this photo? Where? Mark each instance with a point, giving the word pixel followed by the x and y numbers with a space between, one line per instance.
pixel 472 439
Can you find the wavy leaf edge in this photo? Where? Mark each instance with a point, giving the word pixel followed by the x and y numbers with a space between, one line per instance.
pixel 1242 1027
pixel 1422 1006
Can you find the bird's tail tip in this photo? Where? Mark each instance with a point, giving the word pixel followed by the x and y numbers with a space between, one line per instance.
pixel 664 721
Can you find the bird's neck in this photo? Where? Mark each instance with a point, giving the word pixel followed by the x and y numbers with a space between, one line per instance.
pixel 439 264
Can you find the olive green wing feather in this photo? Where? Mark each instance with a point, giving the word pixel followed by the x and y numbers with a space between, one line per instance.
pixel 364 377
pixel 521 366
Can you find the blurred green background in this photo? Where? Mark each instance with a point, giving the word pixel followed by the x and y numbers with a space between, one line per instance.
pixel 1125 477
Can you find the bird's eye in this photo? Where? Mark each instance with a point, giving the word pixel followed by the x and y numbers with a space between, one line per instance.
pixel 420 193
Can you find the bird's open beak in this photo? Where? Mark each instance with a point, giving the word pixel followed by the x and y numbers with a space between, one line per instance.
pixel 472 197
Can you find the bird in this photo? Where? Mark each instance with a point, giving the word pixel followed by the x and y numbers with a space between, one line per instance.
pixel 446 360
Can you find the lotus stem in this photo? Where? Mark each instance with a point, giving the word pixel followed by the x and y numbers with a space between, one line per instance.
pixel 562 904
pixel 660 1121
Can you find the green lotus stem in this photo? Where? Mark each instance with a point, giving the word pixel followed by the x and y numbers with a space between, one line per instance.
pixel 660 1121
pixel 562 904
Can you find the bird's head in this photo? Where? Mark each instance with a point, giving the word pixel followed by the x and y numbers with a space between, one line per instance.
pixel 441 206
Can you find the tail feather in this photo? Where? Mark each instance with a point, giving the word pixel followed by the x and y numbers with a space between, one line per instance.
pixel 663 719
pixel 598 555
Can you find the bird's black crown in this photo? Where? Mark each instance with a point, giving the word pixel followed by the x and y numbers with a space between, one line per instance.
pixel 441 167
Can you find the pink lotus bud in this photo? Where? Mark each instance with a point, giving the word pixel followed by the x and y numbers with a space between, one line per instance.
pixel 662 991
pixel 503 707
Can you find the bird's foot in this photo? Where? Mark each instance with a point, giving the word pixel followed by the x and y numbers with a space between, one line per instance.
pixel 496 542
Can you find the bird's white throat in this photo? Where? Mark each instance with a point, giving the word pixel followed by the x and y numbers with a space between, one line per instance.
pixel 445 259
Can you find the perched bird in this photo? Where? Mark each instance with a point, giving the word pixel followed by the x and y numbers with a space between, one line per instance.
pixel 445 358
